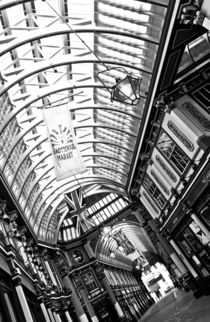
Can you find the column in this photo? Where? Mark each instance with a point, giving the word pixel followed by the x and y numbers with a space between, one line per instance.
pixel 170 251
pixel 68 316
pixel 45 313
pixel 181 267
pixel 188 265
pixel 51 315
pixel 23 303
pixel 112 296
pixel 88 306
pixel 102 278
pixel 75 300
pixel 57 317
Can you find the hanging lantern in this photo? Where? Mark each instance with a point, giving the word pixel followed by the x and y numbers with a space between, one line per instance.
pixel 127 90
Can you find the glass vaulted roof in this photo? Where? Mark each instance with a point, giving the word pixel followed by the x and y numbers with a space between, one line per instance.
pixel 50 55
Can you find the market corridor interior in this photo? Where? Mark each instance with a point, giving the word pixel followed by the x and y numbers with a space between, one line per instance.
pixel 104 159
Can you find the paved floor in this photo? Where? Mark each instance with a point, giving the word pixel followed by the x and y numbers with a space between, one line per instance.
pixel 179 306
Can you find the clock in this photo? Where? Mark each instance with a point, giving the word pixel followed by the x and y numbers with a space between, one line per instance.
pixel 78 256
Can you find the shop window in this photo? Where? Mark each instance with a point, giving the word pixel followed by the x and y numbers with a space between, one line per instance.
pixel 195 251
pixel 199 233
pixel 154 191
pixel 192 240
pixel 205 214
pixel 172 152
pixel 90 282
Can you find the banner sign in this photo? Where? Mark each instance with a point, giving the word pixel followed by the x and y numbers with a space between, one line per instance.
pixel 65 152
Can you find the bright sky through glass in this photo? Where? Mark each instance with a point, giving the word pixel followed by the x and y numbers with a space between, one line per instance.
pixel 45 64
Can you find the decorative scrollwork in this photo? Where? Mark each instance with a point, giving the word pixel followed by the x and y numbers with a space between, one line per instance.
pixel 189 12
pixel 200 118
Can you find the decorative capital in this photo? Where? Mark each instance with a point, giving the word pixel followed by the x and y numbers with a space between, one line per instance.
pixel 17 278
pixel 185 207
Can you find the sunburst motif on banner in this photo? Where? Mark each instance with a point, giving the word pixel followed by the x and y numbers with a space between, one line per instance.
pixel 61 136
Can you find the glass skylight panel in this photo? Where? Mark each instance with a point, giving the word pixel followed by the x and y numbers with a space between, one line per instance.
pixel 107 211
pixel 90 210
pixel 112 175
pixel 97 206
pixel 93 137
pixel 69 221
pixel 110 209
pixel 109 19
pixel 126 58
pixel 119 204
pixel 101 203
pixel 103 215
pixel 110 162
pixel 114 207
pixel 117 135
pixel 116 150
pixel 65 237
pixel 122 202
pixel 109 198
pixel 73 232
pixel 96 220
pixel 93 208
pixel 104 200
pixel 126 47
pixel 69 235
pixel 113 119
pixel 113 154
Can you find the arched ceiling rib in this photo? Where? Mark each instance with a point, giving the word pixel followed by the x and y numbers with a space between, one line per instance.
pixel 44 64
pixel 13 42
pixel 40 67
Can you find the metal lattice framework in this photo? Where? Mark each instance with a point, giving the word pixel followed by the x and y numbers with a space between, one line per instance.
pixel 112 241
pixel 44 64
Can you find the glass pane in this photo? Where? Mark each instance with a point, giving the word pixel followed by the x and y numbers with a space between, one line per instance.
pixel 199 233
pixel 154 191
pixel 111 210
pixel 106 133
pixel 172 152
pixel 195 244
pixel 108 213
pixel 199 48
pixel 114 207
